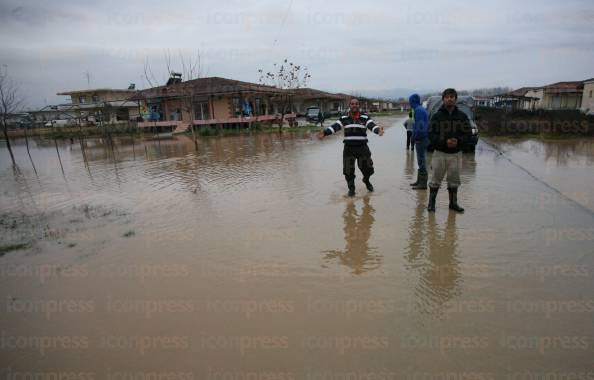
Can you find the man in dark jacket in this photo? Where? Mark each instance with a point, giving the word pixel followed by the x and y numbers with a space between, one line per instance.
pixel 355 126
pixel 420 139
pixel 448 129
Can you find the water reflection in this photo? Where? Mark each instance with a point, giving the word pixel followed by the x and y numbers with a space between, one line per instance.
pixel 357 254
pixel 409 164
pixel 432 253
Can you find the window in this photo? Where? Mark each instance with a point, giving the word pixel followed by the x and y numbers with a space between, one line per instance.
pixel 82 99
pixel 201 111
pixel 590 95
pixel 95 99
pixel 258 110
pixel 236 106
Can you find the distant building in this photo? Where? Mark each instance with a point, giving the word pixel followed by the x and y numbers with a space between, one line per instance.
pixel 102 105
pixel 328 103
pixel 49 113
pixel 563 95
pixel 517 99
pixel 537 94
pixel 483 101
pixel 587 105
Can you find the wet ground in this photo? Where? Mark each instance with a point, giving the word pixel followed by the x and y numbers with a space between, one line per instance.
pixel 243 259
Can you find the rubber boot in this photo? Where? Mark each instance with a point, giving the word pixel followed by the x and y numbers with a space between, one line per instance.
pixel 417 181
pixel 422 184
pixel 453 192
pixel 432 198
pixel 368 184
pixel 351 185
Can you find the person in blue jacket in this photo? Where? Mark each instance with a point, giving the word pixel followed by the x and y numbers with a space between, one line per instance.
pixel 420 137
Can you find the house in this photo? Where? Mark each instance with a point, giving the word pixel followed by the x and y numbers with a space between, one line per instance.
pixel 484 101
pixel 56 112
pixel 328 103
pixel 402 105
pixel 102 105
pixel 537 94
pixel 563 95
pixel 517 99
pixel 211 101
pixel 587 105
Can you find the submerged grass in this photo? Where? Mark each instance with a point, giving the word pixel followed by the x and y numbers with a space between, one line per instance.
pixel 4 249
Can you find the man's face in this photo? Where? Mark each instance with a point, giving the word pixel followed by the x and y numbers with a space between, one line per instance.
pixel 354 105
pixel 449 100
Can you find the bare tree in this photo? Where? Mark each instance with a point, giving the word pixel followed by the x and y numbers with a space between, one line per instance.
pixel 10 103
pixel 190 65
pixel 191 68
pixel 287 76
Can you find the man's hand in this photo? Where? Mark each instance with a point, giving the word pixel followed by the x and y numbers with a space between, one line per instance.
pixel 381 131
pixel 452 143
pixel 321 135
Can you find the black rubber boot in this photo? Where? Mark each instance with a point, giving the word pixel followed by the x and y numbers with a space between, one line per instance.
pixel 368 184
pixel 417 181
pixel 432 198
pixel 351 185
pixel 453 192
pixel 422 184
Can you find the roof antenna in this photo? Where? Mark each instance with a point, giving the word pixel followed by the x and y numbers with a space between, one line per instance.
pixel 88 76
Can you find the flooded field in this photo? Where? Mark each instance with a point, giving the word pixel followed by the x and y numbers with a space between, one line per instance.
pixel 244 259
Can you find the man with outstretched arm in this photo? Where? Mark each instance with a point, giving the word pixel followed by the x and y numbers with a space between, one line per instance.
pixel 355 125
pixel 448 129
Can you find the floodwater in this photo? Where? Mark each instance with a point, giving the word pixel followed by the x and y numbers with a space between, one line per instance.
pixel 243 259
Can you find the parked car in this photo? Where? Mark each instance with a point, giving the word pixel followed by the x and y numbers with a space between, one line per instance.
pixel 466 105
pixel 60 123
pixel 313 114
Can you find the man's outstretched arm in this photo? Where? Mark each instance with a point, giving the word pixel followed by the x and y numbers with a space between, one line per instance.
pixel 370 124
pixel 337 126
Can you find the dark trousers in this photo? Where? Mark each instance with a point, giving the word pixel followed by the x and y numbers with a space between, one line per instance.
pixel 409 142
pixel 362 155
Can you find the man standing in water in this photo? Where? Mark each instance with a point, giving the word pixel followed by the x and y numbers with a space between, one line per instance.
pixel 448 129
pixel 355 126
pixel 420 139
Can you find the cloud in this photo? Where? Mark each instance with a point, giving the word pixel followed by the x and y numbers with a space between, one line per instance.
pixel 379 45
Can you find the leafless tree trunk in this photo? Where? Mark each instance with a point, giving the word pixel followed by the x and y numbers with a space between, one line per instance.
pixel 10 103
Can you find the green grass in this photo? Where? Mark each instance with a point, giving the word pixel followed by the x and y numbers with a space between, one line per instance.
pixel 12 247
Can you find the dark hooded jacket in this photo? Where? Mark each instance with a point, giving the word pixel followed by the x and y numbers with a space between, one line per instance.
pixel 421 127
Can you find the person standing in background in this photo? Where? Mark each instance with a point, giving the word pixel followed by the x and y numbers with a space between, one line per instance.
pixel 408 124
pixel 420 139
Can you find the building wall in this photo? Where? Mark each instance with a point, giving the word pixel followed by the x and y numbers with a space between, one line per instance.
pixel 536 94
pixel 222 107
pixel 171 107
pixel 562 101
pixel 588 97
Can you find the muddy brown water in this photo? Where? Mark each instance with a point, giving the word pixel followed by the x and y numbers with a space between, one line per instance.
pixel 243 259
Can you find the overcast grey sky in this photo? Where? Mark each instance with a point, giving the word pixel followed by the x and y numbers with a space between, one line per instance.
pixel 347 46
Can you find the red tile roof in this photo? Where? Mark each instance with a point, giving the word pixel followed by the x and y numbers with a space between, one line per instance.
pixel 208 86
pixel 565 87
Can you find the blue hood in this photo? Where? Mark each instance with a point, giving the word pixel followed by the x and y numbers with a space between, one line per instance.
pixel 414 100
